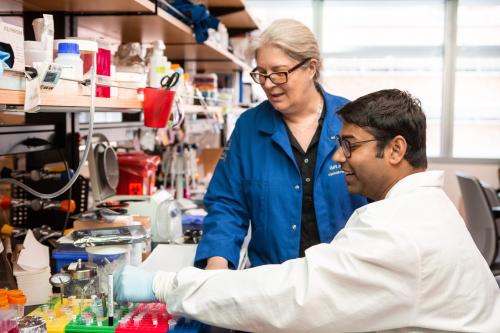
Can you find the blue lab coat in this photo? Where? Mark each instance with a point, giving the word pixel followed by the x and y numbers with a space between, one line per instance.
pixel 258 180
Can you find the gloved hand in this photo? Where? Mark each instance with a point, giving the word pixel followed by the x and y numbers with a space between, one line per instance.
pixel 132 284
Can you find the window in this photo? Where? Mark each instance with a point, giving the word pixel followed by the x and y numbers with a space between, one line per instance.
pixel 373 45
pixel 477 80
pixel 370 45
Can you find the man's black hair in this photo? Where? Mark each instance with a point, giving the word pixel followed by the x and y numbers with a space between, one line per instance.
pixel 387 113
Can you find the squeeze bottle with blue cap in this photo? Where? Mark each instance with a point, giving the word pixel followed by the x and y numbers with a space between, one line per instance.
pixel 68 56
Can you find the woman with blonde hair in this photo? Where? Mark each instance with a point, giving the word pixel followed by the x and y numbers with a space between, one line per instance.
pixel 276 172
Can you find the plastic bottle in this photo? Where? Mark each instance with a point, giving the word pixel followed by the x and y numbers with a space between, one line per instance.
pixel 17 303
pixel 188 95
pixel 7 316
pixel 68 56
pixel 158 65
pixel 179 86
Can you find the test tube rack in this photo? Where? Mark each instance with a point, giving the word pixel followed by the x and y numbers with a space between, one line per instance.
pixel 147 318
pixel 58 320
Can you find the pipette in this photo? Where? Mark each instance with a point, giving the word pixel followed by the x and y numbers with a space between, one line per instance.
pixel 110 300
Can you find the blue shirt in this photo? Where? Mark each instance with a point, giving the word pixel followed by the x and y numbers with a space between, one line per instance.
pixel 257 181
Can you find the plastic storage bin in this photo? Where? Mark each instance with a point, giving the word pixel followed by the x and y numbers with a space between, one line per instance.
pixel 137 173
pixel 65 255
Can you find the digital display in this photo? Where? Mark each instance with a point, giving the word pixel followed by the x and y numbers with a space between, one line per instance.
pixel 50 77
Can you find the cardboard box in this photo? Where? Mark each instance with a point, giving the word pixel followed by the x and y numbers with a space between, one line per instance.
pixel 209 158
pixel 12 42
pixel 122 221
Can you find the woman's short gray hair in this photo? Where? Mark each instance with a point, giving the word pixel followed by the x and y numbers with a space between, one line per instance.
pixel 293 38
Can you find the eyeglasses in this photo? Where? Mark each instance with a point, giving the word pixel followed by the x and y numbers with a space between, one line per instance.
pixel 347 146
pixel 276 77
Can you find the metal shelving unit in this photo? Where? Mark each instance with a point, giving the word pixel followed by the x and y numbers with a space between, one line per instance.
pixel 11 137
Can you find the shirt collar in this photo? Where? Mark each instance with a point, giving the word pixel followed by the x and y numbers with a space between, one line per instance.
pixel 434 178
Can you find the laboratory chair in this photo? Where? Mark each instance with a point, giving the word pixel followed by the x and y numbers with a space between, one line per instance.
pixel 480 220
pixel 494 200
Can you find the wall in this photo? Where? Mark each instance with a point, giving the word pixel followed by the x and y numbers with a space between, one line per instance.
pixel 484 172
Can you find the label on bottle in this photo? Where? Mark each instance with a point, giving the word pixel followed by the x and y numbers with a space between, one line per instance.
pixel 161 70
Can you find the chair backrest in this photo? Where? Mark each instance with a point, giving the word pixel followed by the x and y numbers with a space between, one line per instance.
pixel 491 194
pixel 480 221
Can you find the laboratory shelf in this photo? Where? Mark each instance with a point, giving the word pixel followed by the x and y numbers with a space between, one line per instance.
pixel 78 103
pixel 12 135
pixel 77 6
pixel 181 44
pixel 141 20
pixel 224 3
pixel 114 131
pixel 233 14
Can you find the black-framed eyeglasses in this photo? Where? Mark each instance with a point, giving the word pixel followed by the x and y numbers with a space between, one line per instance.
pixel 276 77
pixel 347 145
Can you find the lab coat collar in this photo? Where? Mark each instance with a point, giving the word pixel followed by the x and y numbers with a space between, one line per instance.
pixel 434 178
pixel 270 121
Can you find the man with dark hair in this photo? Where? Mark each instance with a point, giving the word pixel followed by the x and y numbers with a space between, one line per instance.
pixel 404 263
pixel 388 113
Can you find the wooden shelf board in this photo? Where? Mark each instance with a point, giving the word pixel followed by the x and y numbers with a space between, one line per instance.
pixel 238 20
pixel 144 29
pixel 15 97
pixel 224 3
pixel 204 55
pixel 95 6
pixel 181 45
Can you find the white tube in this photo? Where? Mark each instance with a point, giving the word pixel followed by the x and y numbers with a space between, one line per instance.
pixel 85 152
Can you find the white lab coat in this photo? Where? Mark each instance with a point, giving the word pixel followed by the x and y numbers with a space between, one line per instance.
pixel 403 264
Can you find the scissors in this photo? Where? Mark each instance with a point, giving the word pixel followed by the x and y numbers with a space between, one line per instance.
pixel 169 81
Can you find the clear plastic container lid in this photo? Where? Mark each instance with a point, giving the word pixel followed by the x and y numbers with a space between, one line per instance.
pixel 108 249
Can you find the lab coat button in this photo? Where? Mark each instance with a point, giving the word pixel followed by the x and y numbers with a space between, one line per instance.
pixel 297 187
pixel 294 226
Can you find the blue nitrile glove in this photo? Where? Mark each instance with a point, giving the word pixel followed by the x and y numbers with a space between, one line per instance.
pixel 132 284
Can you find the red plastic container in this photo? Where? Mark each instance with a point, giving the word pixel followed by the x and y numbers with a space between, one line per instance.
pixel 157 106
pixel 103 69
pixel 137 173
